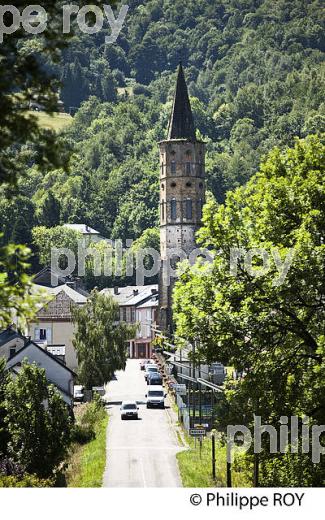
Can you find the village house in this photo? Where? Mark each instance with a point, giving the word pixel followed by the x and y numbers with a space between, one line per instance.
pixel 16 348
pixel 89 234
pixel 138 305
pixel 52 326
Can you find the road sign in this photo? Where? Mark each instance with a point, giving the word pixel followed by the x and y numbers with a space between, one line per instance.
pixel 196 432
pixel 180 389
pixel 203 425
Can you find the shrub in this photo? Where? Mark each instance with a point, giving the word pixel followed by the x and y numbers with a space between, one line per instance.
pixel 94 413
pixel 8 468
pixel 82 434
pixel 27 481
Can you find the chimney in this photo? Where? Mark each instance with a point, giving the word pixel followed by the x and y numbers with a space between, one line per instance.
pixel 154 291
pixel 135 292
pixel 116 291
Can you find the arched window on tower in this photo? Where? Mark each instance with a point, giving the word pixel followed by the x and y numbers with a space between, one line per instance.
pixel 163 210
pixel 188 209
pixel 173 167
pixel 173 209
pixel 188 168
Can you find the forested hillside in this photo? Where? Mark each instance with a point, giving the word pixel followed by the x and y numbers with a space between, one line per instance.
pixel 256 78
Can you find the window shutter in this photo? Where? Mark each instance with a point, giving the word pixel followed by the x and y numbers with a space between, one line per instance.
pixel 37 334
pixel 49 335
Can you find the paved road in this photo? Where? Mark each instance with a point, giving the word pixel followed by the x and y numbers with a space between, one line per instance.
pixel 139 453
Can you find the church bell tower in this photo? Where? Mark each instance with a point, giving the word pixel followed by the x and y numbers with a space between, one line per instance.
pixel 182 194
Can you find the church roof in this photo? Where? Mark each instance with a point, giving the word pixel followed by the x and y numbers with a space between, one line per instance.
pixel 181 124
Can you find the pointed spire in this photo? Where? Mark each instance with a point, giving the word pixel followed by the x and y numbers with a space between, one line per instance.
pixel 181 124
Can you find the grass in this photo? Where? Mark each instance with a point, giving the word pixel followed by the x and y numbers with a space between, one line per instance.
pixel 87 462
pixel 57 122
pixel 196 471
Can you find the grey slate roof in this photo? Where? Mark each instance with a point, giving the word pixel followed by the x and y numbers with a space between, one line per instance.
pixel 181 124
pixel 44 278
pixel 132 295
pixel 8 335
pixel 44 352
pixel 75 296
pixel 153 302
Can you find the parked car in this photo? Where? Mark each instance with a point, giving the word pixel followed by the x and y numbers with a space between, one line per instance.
pixel 129 410
pixel 155 397
pixel 78 393
pixel 154 378
pixel 149 369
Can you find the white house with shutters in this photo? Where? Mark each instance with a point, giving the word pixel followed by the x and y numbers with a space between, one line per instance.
pixel 16 348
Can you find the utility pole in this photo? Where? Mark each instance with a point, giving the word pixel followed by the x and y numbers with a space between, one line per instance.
pixel 256 470
pixel 193 384
pixel 213 447
pixel 229 474
pixel 200 394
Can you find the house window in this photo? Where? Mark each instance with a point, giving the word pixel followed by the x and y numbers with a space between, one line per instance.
pixel 132 314
pixel 189 211
pixel 124 314
pixel 188 168
pixel 173 167
pixel 43 334
pixel 12 352
pixel 173 209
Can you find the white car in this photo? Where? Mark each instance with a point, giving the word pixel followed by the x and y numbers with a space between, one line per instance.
pixel 78 393
pixel 155 397
pixel 129 410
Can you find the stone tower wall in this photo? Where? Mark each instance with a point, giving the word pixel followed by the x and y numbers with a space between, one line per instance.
pixel 182 195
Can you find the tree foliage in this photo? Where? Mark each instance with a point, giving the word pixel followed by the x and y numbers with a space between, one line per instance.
pixel 16 299
pixel 267 325
pixel 100 340
pixel 38 422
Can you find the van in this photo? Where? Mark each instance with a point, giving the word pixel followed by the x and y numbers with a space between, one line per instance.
pixel 155 397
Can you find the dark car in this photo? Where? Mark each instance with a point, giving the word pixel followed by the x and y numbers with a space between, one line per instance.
pixel 154 378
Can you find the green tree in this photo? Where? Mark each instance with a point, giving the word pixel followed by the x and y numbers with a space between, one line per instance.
pixel 267 324
pixel 45 239
pixel 16 298
pixel 38 422
pixel 100 340
pixel 50 211
pixel 4 435
pixel 17 219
